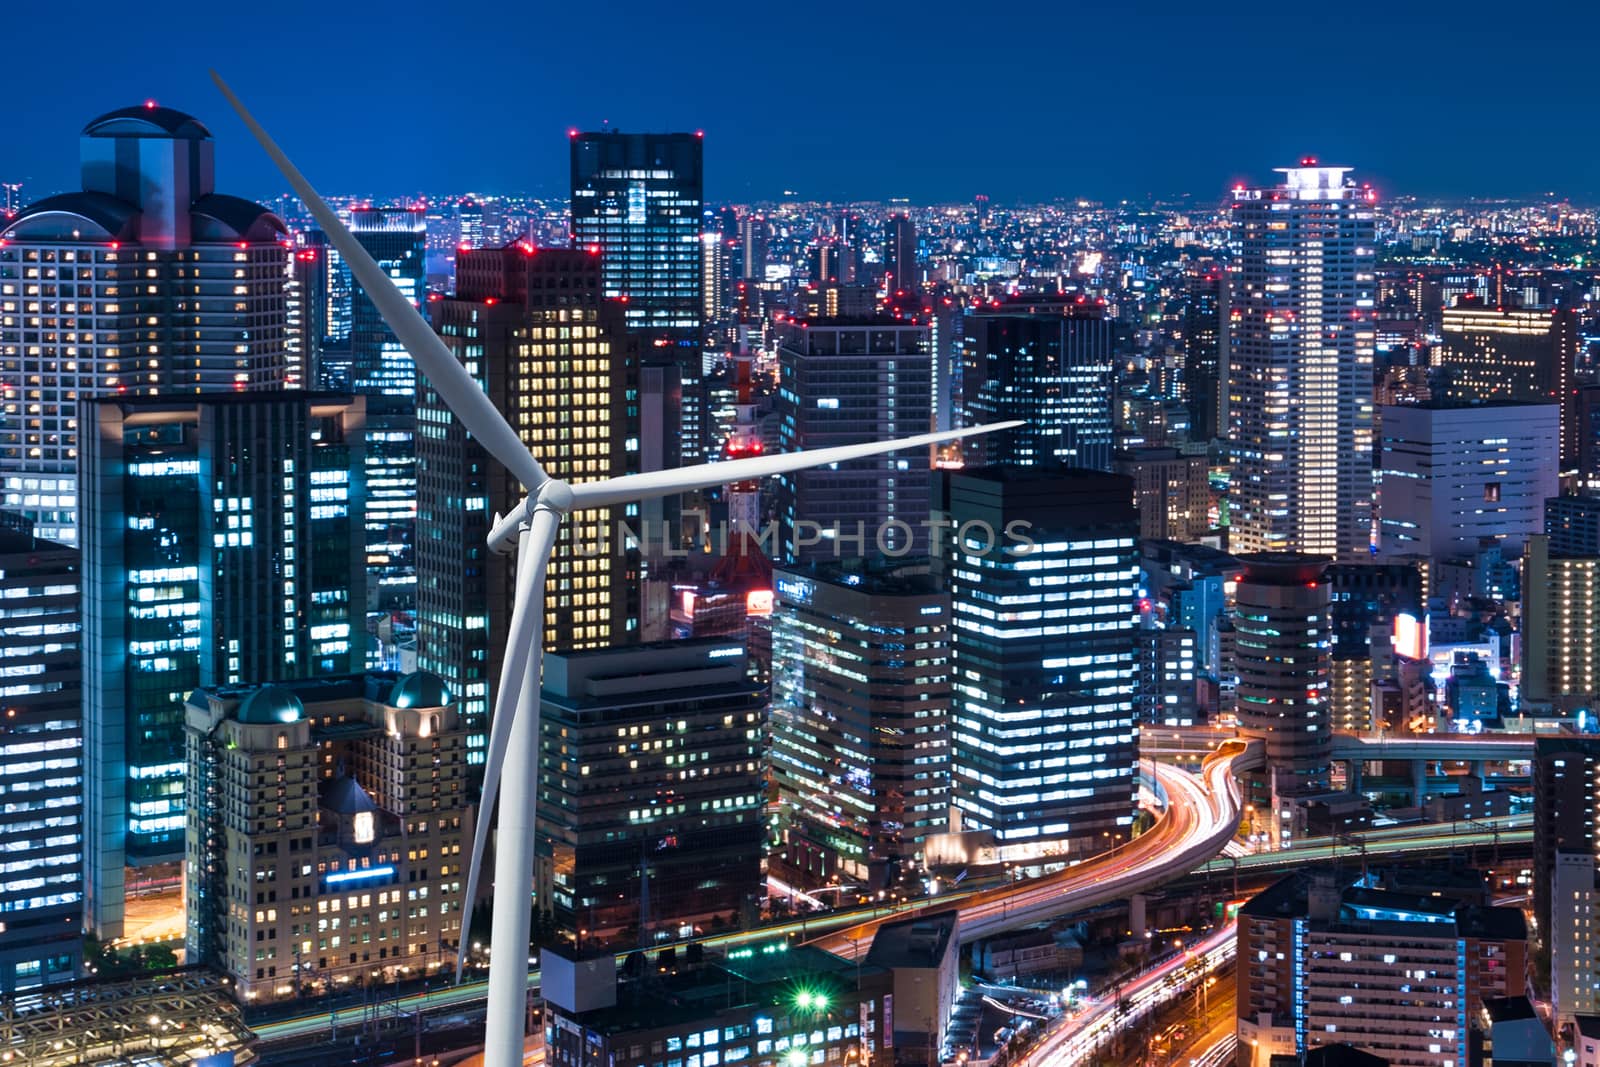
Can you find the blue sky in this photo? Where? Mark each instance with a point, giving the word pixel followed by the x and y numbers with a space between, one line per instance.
pixel 935 100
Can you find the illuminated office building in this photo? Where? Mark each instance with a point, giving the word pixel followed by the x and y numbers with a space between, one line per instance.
pixel 1300 365
pixel 651 791
pixel 1283 655
pixel 1044 746
pixel 221 543
pixel 1205 354
pixel 860 720
pixel 147 281
pixel 844 381
pixel 41 892
pixel 1522 355
pixel 753 248
pixel 328 832
pixel 1560 618
pixel 1451 477
pixel 382 371
pixel 900 254
pixel 531 327
pixel 1047 362
pixel 1395 974
pixel 638 197
pixel 1172 491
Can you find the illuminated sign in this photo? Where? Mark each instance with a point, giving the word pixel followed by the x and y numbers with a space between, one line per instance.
pixel 758 602
pixel 340 877
pixel 795 590
pixel 725 653
pixel 364 830
pixel 1410 636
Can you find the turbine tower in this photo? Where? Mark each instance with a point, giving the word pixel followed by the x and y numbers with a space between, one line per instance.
pixel 513 754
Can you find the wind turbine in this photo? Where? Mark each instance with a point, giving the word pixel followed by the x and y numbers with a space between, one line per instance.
pixel 531 527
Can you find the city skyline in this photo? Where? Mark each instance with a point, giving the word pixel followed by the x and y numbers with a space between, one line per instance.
pixel 1132 101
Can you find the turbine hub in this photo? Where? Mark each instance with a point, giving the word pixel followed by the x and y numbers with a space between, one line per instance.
pixel 555 495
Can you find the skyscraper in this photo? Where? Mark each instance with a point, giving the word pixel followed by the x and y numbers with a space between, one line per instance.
pixel 382 371
pixel 900 254
pixel 651 791
pixel 638 197
pixel 221 543
pixel 1205 354
pixel 553 354
pixel 841 381
pixel 1521 354
pixel 1560 616
pixel 860 720
pixel 41 891
pixel 1172 491
pixel 1042 569
pixel 1566 894
pixel 148 281
pixel 1046 361
pixel 1284 652
pixel 1300 365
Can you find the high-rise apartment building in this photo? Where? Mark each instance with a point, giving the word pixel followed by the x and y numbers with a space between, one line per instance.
pixel 1042 567
pixel 1566 893
pixel 41 652
pixel 1047 362
pixel 1364 601
pixel 1560 617
pixel 1451 477
pixel 1171 489
pixel 147 281
pixel 1300 353
pixel 1205 354
pixel 651 790
pixel 900 254
pixel 531 326
pixel 221 543
pixel 1395 974
pixel 325 833
pixel 638 198
pixel 1282 656
pixel 1525 355
pixel 844 381
pixel 860 720
pixel 1573 525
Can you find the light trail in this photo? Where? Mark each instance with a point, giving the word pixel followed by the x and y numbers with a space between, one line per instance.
pixel 1072 1041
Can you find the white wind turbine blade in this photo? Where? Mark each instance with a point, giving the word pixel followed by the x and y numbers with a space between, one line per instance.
pixel 514 848
pixel 683 479
pixel 455 386
pixel 523 640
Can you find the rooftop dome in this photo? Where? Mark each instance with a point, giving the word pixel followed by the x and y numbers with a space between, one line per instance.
pixel 147 120
pixel 271 705
pixel 420 689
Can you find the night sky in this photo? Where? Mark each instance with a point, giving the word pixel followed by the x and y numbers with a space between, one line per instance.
pixel 934 101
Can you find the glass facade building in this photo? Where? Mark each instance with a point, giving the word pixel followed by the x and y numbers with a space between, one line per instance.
pixel 41 749
pixel 860 721
pixel 639 199
pixel 1048 363
pixel 221 544
pixel 148 281
pixel 1042 566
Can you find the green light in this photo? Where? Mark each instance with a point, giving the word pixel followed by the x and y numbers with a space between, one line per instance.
pixel 803 1001
pixel 797 1059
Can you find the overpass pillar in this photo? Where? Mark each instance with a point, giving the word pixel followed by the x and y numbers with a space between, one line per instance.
pixel 1419 782
pixel 1352 775
pixel 1138 919
pixel 1475 772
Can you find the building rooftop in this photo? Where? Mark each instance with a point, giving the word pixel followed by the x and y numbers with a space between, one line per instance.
pixel 270 705
pixel 147 120
pixel 917 942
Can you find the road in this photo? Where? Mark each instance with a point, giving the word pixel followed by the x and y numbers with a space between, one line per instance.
pixel 1074 1039
pixel 1201 817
